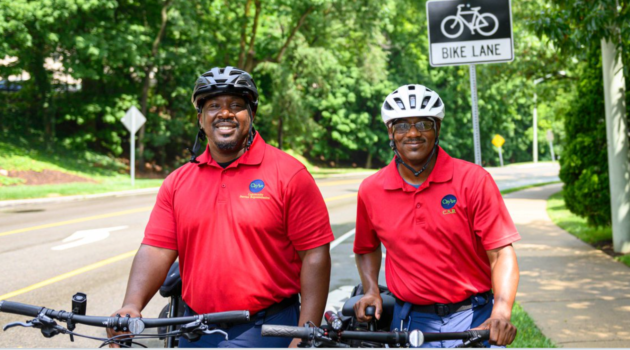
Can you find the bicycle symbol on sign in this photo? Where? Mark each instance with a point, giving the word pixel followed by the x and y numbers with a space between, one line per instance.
pixel 486 24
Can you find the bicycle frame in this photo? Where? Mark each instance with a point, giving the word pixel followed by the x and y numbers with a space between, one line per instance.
pixel 476 22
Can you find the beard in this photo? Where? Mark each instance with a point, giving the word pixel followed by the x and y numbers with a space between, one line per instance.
pixel 226 145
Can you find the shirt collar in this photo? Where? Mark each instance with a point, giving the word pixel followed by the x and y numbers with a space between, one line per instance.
pixel 253 156
pixel 442 172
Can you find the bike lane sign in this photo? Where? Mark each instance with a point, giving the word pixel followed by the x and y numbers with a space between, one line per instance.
pixel 470 32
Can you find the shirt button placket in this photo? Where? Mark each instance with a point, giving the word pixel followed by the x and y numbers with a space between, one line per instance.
pixel 418 217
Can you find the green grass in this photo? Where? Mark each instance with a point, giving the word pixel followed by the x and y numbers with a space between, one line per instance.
pixel 87 164
pixel 119 183
pixel 574 224
pixel 528 336
pixel 109 174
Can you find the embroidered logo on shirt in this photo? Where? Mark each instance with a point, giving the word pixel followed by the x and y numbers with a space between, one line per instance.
pixel 256 186
pixel 448 202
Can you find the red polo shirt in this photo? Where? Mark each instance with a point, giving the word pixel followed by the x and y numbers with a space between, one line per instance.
pixel 436 236
pixel 238 230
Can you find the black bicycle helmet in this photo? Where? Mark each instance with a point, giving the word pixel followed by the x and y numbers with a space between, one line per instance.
pixel 228 80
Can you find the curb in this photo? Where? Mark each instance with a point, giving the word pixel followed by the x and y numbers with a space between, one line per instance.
pixel 34 201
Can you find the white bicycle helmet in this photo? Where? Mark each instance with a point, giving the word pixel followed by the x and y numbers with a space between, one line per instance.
pixel 410 101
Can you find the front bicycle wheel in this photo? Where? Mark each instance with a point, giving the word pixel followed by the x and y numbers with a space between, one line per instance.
pixel 487 24
pixel 452 27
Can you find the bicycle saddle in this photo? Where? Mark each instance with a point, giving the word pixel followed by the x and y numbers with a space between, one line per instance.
pixel 388 309
pixel 172 285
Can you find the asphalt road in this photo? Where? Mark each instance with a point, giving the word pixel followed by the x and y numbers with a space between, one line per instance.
pixel 42 265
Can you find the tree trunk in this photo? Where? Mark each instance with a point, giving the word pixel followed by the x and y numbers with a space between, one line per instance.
pixel 249 63
pixel 293 31
pixel 368 161
pixel 42 86
pixel 280 132
pixel 147 78
pixel 241 54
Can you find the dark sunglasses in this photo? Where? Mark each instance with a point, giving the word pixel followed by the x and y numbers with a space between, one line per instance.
pixel 404 127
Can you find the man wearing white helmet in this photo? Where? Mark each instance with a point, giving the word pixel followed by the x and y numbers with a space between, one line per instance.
pixel 448 235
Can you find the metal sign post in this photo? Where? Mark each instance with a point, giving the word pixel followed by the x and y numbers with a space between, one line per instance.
pixel 498 142
pixel 470 32
pixel 133 121
pixel 550 139
pixel 475 113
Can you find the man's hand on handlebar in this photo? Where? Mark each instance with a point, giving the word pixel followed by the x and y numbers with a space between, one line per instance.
pixel 369 299
pixel 132 312
pixel 502 332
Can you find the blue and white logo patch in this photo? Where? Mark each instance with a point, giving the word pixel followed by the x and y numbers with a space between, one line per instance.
pixel 256 186
pixel 448 201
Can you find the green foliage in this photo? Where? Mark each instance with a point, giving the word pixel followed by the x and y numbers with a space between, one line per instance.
pixel 323 68
pixel 577 28
pixel 584 164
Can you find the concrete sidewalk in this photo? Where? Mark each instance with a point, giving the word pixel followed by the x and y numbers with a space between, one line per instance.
pixel 578 296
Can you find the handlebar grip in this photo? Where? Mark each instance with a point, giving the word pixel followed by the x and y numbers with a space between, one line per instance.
pixel 484 334
pixel 269 330
pixel 227 317
pixel 13 307
pixel 370 311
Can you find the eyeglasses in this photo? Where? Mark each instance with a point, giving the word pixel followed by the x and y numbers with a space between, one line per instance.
pixel 403 128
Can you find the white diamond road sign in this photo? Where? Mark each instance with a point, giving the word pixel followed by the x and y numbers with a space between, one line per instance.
pixel 469 32
pixel 133 120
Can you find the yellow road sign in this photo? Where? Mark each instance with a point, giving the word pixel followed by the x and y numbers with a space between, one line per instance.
pixel 498 140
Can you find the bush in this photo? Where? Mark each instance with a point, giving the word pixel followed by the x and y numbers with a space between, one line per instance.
pixel 584 162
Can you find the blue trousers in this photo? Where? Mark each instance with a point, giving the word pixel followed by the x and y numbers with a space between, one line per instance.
pixel 432 323
pixel 248 335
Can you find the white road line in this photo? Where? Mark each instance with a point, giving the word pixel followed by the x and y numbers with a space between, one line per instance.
pixel 341 239
pixel 337 297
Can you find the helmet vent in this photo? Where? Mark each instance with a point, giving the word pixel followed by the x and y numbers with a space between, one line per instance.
pixel 425 101
pixel 400 103
pixel 411 87
pixel 438 103
pixel 221 81
pixel 412 101
pixel 388 107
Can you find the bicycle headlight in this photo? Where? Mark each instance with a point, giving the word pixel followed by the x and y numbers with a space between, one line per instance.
pixel 416 338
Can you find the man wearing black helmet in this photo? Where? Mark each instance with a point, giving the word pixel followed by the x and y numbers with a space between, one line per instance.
pixel 450 261
pixel 246 220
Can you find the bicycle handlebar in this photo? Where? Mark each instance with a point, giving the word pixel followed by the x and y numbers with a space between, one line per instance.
pixel 287 331
pixel 135 324
pixel 414 338
pixel 472 334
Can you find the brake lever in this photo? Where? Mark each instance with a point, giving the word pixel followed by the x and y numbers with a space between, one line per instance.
pixel 208 332
pixel 15 324
pixel 474 342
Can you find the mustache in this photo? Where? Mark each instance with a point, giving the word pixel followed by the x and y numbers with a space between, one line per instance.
pixel 415 139
pixel 225 121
